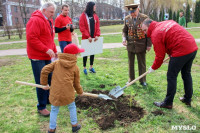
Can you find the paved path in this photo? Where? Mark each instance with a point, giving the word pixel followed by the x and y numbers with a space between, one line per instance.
pixel 23 51
pixel 24 41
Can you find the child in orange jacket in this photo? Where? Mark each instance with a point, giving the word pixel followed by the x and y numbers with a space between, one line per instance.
pixel 65 80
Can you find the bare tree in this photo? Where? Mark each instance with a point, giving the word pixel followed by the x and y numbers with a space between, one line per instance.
pixel 1 13
pixel 19 27
pixel 48 1
pixel 7 30
pixel 1 9
pixel 148 6
pixel 72 9
pixel 23 10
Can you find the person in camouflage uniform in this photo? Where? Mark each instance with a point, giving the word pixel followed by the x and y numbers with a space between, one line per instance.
pixel 136 41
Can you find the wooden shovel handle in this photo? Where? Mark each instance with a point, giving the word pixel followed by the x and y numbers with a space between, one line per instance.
pixel 90 94
pixel 144 74
pixel 30 84
pixel 42 86
pixel 141 76
pixel 166 59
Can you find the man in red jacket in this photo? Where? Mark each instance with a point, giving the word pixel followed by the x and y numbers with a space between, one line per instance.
pixel 171 38
pixel 41 48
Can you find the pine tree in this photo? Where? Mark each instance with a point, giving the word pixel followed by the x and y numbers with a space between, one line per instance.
pixel 177 16
pixel 187 16
pixel 174 16
pixel 197 12
pixel 160 15
pixel 163 14
pixel 170 14
pixel 155 15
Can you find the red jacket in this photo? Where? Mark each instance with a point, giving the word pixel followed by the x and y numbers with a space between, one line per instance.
pixel 171 38
pixel 40 37
pixel 84 26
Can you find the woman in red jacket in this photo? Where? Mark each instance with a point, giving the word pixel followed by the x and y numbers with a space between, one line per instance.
pixel 89 27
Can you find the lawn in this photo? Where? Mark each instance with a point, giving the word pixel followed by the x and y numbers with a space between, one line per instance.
pixel 18 103
pixel 192 24
pixel 195 33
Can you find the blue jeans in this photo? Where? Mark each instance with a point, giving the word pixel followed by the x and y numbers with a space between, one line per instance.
pixel 42 95
pixel 63 44
pixel 54 113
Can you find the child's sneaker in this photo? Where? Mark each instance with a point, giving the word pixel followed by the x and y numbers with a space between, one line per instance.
pixel 85 71
pixel 76 129
pixel 92 70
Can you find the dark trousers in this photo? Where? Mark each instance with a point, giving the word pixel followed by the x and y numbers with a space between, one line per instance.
pixel 177 64
pixel 42 95
pixel 141 58
pixel 85 60
pixel 63 44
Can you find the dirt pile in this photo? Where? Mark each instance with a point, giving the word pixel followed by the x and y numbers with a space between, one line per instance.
pixel 105 113
pixel 6 62
pixel 158 112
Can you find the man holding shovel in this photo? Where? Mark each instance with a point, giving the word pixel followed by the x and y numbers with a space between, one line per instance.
pixel 171 38
pixel 136 41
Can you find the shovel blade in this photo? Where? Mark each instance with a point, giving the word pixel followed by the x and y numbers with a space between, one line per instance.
pixel 105 97
pixel 116 92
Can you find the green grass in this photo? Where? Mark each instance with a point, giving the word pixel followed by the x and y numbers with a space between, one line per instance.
pixel 18 103
pixel 12 46
pixel 13 38
pixel 111 28
pixel 106 29
pixel 195 33
pixel 192 24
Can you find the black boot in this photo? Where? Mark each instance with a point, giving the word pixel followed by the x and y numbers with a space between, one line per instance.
pixel 182 99
pixel 163 105
pixel 143 84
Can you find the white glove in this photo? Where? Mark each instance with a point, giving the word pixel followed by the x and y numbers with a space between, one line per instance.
pixel 151 70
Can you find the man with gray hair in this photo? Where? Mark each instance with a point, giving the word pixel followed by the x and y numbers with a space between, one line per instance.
pixel 41 48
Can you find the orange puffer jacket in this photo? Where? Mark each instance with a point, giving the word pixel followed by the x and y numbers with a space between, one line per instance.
pixel 65 79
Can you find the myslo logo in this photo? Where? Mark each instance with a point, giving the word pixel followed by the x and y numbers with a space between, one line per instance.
pixel 183 127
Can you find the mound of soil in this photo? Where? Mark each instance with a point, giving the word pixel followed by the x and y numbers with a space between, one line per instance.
pixel 158 112
pixel 106 112
pixel 102 86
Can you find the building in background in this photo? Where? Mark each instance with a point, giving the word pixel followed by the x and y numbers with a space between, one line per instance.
pixel 15 12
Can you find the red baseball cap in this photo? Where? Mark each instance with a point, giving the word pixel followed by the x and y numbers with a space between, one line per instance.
pixel 73 49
